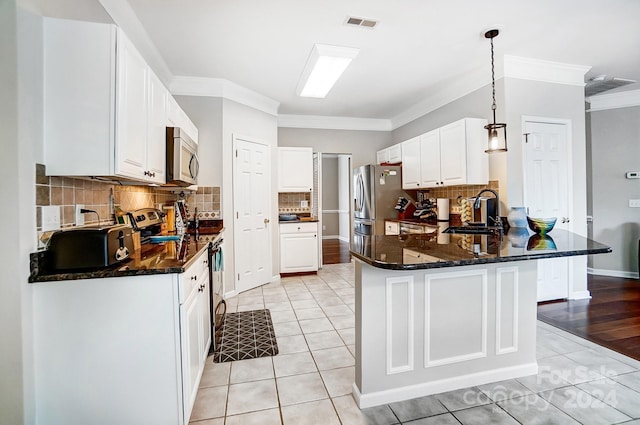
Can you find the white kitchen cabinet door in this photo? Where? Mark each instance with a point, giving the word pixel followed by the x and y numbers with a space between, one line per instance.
pixel 295 169
pixel 411 178
pixel 453 154
pixel 156 130
pixel 190 336
pixel 176 117
pixel 131 111
pixel 395 154
pixel 298 247
pixel 430 173
pixel 382 156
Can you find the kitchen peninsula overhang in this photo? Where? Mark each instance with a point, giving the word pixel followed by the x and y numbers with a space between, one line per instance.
pixel 426 251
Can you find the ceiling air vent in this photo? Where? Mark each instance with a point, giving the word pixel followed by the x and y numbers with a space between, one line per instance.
pixel 361 22
pixel 601 83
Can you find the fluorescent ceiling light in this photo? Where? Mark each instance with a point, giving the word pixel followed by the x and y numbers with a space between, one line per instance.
pixel 324 66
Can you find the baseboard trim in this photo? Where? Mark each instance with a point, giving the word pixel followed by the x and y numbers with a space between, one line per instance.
pixel 580 295
pixel 330 237
pixel 613 273
pixel 435 387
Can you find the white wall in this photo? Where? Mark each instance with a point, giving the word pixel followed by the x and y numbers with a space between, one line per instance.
pixel 206 114
pixel 615 147
pixel 259 127
pixel 21 121
pixel 11 366
pixel 362 145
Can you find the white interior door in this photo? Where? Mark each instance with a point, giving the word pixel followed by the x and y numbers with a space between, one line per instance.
pixel 252 200
pixel 546 194
pixel 317 197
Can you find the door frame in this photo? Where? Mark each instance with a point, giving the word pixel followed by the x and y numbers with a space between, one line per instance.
pixel 567 123
pixel 236 253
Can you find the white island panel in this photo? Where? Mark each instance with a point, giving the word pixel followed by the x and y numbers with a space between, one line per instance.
pixel 426 331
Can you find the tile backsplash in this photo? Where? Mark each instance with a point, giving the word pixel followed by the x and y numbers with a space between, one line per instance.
pixel 290 202
pixel 465 191
pixel 104 196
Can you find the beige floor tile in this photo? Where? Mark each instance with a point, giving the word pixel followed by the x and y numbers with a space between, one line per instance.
pixel 348 335
pixel 283 316
pixel 263 417
pixel 215 374
pixel 278 306
pixel 327 339
pixel 291 344
pixel 310 313
pixel 350 413
pixel 300 389
pixel 313 413
pixel 294 364
pixel 217 421
pixel 303 303
pixel 250 307
pixel 287 329
pixel 252 396
pixel 337 310
pixel 251 370
pixel 333 358
pixel 315 325
pixel 250 300
pixel 210 403
pixel 300 296
pixel 339 382
pixel 343 322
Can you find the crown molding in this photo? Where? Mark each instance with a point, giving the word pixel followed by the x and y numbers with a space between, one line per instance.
pixel 544 71
pixel 333 123
pixel 624 99
pixel 219 87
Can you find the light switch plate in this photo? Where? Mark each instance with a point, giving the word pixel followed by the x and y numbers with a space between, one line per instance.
pixel 304 204
pixel 50 218
pixel 79 215
pixel 634 203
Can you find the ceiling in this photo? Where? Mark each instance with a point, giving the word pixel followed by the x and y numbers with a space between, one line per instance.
pixel 418 48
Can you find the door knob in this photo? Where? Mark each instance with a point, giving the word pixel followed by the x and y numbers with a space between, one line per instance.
pixel 266 220
pixel 565 220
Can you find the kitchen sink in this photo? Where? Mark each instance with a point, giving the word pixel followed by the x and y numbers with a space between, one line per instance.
pixel 470 230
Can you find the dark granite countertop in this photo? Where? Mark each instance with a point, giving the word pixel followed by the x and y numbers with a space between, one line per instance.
pixel 151 258
pixel 434 250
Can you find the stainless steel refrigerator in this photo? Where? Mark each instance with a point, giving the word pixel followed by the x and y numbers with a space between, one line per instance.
pixel 376 189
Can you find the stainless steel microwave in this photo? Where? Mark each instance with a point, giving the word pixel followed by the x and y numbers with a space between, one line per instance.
pixel 182 158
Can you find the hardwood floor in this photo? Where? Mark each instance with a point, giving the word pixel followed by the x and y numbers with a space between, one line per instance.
pixel 335 251
pixel 610 318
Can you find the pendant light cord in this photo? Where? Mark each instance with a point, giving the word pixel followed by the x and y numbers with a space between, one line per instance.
pixel 493 84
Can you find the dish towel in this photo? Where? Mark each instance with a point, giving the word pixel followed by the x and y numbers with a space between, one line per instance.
pixel 218 262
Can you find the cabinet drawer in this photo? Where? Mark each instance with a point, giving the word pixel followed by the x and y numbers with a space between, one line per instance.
pixel 298 228
pixel 192 276
pixel 391 228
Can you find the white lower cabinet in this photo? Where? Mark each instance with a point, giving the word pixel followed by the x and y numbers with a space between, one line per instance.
pixel 121 350
pixel 298 247
pixel 195 330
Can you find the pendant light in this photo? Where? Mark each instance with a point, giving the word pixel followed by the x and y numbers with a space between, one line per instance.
pixel 497 132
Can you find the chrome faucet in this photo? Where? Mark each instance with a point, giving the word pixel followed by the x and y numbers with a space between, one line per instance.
pixel 497 221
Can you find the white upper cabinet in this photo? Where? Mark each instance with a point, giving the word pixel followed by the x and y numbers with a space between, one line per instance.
pixel 176 117
pixel 447 156
pixel 105 111
pixel 390 155
pixel 411 176
pixel 295 169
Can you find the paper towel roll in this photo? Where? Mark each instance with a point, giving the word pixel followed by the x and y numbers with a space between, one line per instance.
pixel 443 209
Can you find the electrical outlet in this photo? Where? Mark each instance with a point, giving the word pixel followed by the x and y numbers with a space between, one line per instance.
pixel 455 209
pixel 50 218
pixel 304 204
pixel 79 215
pixel 634 203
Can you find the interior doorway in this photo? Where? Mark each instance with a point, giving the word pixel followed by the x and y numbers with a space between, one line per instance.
pixel 334 204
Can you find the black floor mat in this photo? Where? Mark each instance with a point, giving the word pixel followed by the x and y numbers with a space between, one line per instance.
pixel 246 335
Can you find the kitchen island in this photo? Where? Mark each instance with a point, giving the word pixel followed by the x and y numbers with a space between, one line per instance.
pixel 439 312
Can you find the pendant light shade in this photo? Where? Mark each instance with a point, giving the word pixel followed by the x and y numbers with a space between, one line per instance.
pixel 496 132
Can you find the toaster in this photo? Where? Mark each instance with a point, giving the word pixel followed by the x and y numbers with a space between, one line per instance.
pixel 89 247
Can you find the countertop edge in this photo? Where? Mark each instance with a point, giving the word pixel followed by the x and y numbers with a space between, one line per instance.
pixel 476 261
